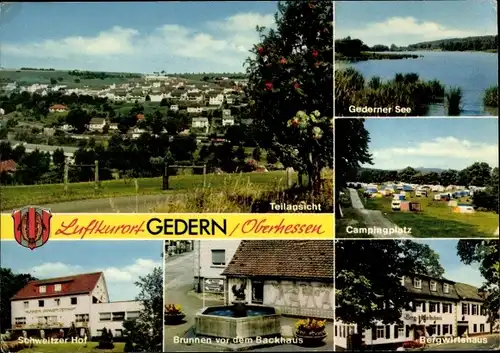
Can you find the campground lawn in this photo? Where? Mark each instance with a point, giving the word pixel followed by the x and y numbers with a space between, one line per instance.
pixel 352 218
pixel 18 196
pixel 90 347
pixel 437 220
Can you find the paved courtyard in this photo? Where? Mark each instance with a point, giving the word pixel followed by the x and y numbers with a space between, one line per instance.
pixel 179 276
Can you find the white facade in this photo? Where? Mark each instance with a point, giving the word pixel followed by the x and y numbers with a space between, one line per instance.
pixel 440 315
pixel 297 298
pixel 217 100
pixel 199 122
pixel 227 121
pixel 97 125
pixel 84 310
pixel 211 258
pixel 194 109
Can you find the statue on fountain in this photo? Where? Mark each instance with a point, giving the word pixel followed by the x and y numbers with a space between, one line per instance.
pixel 239 294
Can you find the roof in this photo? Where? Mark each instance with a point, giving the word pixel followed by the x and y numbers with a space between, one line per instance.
pixel 8 166
pixel 58 106
pixel 308 259
pixel 468 292
pixel 78 284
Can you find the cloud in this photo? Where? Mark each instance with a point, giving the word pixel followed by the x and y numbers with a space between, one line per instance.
pixel 404 31
pixel 223 43
pixel 442 152
pixel 120 281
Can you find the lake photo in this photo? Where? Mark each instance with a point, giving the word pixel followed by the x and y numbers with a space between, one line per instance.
pixel 418 61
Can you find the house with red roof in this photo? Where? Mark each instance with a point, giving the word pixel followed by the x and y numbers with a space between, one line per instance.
pixel 56 304
pixel 58 108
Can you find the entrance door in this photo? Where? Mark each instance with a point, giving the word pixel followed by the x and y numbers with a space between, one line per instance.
pixel 461 330
pixel 257 292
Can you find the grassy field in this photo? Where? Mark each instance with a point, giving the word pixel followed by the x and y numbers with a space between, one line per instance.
pixel 72 347
pixel 437 220
pixel 18 196
pixel 43 77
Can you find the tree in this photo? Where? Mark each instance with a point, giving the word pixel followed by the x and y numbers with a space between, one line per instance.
pixel 449 177
pixel 407 174
pixel 105 341
pixel 272 158
pixel 11 284
pixel 290 87
pixel 53 81
pixel 486 254
pixel 256 153
pixel 366 293
pixel 79 119
pixel 351 150
pixel 163 102
pixel 478 174
pixel 145 334
pixel 148 98
pixel 240 153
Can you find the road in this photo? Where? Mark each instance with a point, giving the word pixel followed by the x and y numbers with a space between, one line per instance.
pixel 374 219
pixel 122 204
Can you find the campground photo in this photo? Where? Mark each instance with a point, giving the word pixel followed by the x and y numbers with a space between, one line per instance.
pixel 416 58
pixel 436 178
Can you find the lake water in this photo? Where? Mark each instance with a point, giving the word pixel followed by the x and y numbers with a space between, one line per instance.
pixel 473 72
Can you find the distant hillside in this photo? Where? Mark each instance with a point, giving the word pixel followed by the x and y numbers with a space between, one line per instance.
pixel 482 43
pixel 429 170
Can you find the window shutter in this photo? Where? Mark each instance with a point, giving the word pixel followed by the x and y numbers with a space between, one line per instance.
pixel 396 331
pixel 468 309
pixel 374 333
pixel 438 305
pixel 387 331
pixel 413 306
pixel 439 329
pixel 423 307
pixel 407 330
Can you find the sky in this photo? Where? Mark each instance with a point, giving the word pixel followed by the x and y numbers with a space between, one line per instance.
pixel 444 143
pixel 138 37
pixel 121 261
pixel 455 270
pixel 408 22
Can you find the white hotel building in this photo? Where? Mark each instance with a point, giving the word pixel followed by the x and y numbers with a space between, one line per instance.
pixel 58 303
pixel 441 308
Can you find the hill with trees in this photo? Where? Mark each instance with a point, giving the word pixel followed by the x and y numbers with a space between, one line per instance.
pixel 481 43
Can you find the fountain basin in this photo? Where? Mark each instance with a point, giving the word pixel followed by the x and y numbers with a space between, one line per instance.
pixel 223 321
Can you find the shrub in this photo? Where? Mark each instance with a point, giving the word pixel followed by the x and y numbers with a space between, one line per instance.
pixel 490 98
pixel 105 341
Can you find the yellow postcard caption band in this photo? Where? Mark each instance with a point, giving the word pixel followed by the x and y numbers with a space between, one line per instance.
pixel 136 226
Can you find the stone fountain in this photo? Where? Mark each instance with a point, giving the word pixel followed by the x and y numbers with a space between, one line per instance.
pixel 238 320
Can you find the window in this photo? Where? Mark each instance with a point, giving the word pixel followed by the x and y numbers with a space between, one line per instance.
pixel 418 307
pixel 447 308
pixel 219 257
pixel 42 289
pixel 380 332
pixel 257 292
pixel 26 305
pixel 474 310
pixel 41 303
pixel 475 328
pixel 133 314
pixel 81 318
pixel 58 301
pixel 465 309
pixel 432 307
pixel 433 286
pixel 401 331
pixel 481 328
pixel 417 283
pixel 74 300
pixel 57 287
pixel 446 288
pixel 104 316
pixel 20 321
pixel 119 316
pixel 445 330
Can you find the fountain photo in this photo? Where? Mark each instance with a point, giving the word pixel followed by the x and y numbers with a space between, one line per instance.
pixel 271 295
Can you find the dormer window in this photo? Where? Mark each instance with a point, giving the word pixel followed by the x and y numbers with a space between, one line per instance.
pixel 446 288
pixel 57 287
pixel 417 283
pixel 433 286
pixel 42 289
